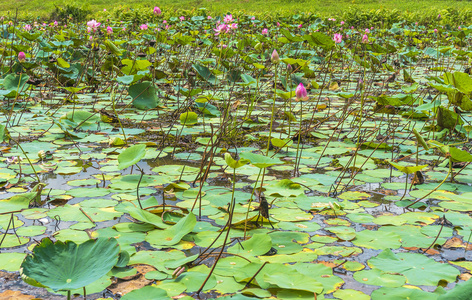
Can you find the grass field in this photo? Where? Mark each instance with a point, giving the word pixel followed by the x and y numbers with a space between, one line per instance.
pixel 331 8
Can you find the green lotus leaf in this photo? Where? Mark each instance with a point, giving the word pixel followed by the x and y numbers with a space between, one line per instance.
pixel 260 161
pixel 147 293
pixel 233 163
pixel 402 293
pixel 408 169
pixel 188 118
pixel 294 281
pixel 417 268
pixel 131 156
pixel 174 234
pixel 68 266
pixel 144 95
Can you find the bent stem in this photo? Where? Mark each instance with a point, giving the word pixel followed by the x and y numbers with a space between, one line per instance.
pixel 433 190
pixel 230 219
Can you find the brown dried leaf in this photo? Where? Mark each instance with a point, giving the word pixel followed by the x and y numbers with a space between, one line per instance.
pixel 15 295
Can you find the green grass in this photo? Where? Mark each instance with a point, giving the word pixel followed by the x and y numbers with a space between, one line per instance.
pixel 328 8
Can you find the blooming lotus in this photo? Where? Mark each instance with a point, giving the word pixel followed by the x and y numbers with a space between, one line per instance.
pixel 301 93
pixel 228 18
pixel 209 18
pixel 109 30
pixel 233 26
pixel 222 28
pixel 27 27
pixel 338 38
pixel 143 27
pixel 93 25
pixel 182 18
pixel 365 38
pixel 265 31
pixel 157 11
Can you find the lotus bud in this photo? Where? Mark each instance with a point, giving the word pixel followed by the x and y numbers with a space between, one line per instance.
pixel 275 59
pixel 301 93
pixel 289 68
pixel 21 56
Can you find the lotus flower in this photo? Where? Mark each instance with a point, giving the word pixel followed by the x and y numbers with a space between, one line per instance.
pixel 338 38
pixel 301 93
pixel 92 25
pixel 109 30
pixel 265 31
pixel 365 39
pixel 21 56
pixel 143 27
pixel 228 18
pixel 157 11
pixel 275 59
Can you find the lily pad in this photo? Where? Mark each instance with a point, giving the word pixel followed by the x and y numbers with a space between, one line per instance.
pixel 68 266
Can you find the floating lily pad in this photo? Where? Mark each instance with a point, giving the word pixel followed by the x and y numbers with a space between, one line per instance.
pixel 417 268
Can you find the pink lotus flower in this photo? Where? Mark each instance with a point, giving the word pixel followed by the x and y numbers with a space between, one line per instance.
pixel 367 30
pixel 338 38
pixel 27 27
pixel 209 18
pixel 278 24
pixel 124 29
pixel 167 27
pixel 104 9
pixel 164 22
pixel 92 25
pixel 342 23
pixel 55 23
pixel 416 23
pixel 265 31
pixel 21 56
pixel 182 18
pixel 109 30
pixel 143 27
pixel 274 58
pixel 234 26
pixel 157 11
pixel 228 18
pixel 435 30
pixel 365 39
pixel 222 28
pixel 301 93
pixel 253 18
pixel 300 26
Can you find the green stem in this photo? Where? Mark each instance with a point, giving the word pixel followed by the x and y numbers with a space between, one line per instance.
pixel 273 110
